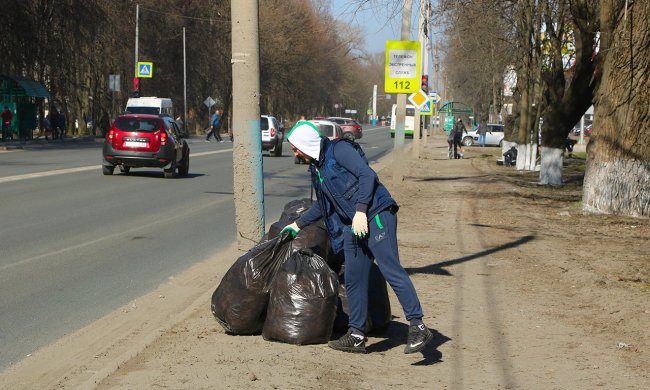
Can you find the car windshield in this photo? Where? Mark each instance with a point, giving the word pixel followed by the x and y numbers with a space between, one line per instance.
pixel 144 110
pixel 264 123
pixel 137 124
pixel 326 130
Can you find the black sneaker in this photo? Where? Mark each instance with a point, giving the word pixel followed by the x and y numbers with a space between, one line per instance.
pixel 349 343
pixel 419 337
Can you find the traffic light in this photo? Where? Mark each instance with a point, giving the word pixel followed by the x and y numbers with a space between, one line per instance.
pixel 425 83
pixel 136 87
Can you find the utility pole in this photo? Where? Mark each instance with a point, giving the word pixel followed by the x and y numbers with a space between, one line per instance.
pixel 137 13
pixel 374 103
pixel 184 86
pixel 248 185
pixel 400 110
pixel 436 83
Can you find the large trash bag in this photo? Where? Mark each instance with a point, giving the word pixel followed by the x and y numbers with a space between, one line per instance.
pixel 379 314
pixel 239 302
pixel 313 237
pixel 303 300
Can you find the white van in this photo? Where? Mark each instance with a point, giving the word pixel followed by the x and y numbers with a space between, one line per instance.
pixel 150 105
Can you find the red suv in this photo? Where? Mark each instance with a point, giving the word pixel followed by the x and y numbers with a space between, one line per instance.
pixel 136 141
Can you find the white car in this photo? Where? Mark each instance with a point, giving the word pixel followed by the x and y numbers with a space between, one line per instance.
pixel 272 135
pixel 494 135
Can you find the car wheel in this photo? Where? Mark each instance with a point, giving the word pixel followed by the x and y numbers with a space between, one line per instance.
pixel 171 172
pixel 501 143
pixel 468 141
pixel 184 169
pixel 108 169
pixel 349 136
pixel 125 170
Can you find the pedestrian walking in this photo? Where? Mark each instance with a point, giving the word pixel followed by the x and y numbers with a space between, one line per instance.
pixel 47 126
pixel 361 219
pixel 482 131
pixel 458 131
pixel 62 125
pixel 104 124
pixel 215 123
pixel 7 117
pixel 54 122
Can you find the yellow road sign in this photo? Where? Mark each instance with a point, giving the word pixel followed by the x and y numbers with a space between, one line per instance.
pixel 402 67
pixel 419 99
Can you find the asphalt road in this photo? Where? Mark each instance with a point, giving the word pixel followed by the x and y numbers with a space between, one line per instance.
pixel 75 245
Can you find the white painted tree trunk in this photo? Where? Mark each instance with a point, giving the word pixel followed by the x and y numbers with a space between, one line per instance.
pixel 533 158
pixel 521 157
pixel 618 187
pixel 551 170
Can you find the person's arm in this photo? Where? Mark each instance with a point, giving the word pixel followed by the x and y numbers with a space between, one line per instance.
pixel 348 157
pixel 310 216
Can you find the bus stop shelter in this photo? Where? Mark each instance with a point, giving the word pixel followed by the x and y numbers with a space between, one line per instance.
pixel 451 110
pixel 21 96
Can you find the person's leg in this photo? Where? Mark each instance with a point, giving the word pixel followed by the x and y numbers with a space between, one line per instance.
pixel 382 240
pixel 357 268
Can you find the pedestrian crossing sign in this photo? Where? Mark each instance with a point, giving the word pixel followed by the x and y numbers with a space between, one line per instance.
pixel 426 108
pixel 145 69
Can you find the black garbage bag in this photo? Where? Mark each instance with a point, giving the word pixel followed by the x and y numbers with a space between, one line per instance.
pixel 313 237
pixel 510 157
pixel 379 314
pixel 239 302
pixel 303 299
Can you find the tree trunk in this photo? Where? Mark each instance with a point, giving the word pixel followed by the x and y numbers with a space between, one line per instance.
pixel 551 169
pixel 617 179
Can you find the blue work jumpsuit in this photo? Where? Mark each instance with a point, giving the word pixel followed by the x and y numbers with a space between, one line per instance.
pixel 345 184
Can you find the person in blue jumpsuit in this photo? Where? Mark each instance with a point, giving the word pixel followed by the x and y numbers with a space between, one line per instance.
pixel 361 219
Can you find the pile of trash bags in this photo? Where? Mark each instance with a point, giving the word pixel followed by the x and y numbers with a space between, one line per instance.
pixel 293 290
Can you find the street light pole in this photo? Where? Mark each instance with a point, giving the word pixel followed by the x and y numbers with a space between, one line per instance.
pixel 184 86
pixel 137 13
pixel 400 110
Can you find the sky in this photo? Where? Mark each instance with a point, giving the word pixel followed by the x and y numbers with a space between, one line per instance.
pixel 380 20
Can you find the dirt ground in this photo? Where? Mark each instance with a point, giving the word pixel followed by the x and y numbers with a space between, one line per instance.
pixel 521 289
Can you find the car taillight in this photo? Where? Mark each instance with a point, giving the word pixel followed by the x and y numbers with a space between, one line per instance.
pixel 110 135
pixel 163 137
pixel 272 132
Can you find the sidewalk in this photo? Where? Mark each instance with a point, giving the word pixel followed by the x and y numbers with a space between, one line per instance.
pixel 515 301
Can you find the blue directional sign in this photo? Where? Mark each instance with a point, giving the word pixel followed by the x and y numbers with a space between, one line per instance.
pixel 145 69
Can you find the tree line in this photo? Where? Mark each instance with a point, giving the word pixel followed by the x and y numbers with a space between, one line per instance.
pixel 566 55
pixel 310 61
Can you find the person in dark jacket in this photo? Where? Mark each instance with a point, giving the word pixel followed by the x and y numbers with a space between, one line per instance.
pixel 361 219
pixel 458 131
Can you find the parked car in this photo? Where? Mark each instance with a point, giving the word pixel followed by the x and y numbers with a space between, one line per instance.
pixel 494 135
pixel 351 129
pixel 328 129
pixel 272 135
pixel 139 140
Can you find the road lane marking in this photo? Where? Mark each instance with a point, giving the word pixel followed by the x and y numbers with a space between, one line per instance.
pixel 81 169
